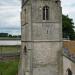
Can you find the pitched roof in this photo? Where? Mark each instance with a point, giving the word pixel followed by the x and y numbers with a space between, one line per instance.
pixel 70 45
pixel 69 49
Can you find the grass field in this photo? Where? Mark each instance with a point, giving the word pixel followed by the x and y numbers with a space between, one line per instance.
pixel 9 49
pixel 9 67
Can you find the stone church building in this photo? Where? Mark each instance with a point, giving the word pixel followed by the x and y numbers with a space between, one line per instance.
pixel 42 46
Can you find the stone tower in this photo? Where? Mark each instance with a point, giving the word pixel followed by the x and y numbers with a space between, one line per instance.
pixel 41 23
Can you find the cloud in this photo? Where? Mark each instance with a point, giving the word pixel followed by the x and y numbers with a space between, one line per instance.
pixel 10 2
pixel 10 16
pixel 68 7
pixel 68 3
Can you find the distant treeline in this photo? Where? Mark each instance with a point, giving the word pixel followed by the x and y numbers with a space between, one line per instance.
pixel 9 35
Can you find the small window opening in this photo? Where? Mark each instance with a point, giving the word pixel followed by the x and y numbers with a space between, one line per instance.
pixel 25 15
pixel 25 50
pixel 69 71
pixel 45 13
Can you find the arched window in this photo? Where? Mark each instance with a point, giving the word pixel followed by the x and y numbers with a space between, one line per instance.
pixel 45 13
pixel 69 71
pixel 25 15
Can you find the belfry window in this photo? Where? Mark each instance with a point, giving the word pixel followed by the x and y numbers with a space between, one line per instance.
pixel 25 15
pixel 45 13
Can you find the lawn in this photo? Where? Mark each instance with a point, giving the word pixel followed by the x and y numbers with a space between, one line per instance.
pixel 9 67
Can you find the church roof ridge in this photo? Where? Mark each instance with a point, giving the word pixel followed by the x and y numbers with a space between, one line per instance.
pixel 69 57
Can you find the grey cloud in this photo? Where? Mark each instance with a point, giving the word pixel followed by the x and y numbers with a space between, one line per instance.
pixel 10 16
pixel 10 2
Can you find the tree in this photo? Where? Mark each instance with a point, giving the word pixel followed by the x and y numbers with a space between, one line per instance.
pixel 10 35
pixel 68 27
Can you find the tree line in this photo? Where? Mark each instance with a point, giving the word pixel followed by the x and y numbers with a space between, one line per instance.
pixel 9 35
pixel 68 27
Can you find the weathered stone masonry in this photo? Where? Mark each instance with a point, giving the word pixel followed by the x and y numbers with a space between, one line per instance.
pixel 41 23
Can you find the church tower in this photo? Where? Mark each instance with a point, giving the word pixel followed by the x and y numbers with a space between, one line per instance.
pixel 41 25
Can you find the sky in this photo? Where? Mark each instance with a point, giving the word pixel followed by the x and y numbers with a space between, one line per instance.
pixel 10 14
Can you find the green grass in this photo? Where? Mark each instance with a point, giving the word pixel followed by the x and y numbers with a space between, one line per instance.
pixel 9 49
pixel 9 67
